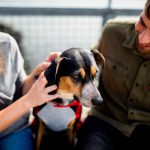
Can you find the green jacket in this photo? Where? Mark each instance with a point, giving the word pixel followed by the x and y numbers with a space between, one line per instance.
pixel 125 81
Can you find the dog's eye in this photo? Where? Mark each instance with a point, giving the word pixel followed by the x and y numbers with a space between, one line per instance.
pixel 76 77
pixel 94 75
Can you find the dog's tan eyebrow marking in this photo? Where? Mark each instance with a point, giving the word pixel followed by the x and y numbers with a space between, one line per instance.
pixel 82 72
pixel 93 71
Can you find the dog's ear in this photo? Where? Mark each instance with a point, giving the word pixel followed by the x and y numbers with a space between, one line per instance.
pixel 51 73
pixel 62 67
pixel 99 58
pixel 52 70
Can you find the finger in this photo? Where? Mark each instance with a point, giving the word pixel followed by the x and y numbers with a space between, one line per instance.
pixel 42 80
pixel 52 97
pixel 41 75
pixel 45 65
pixel 52 56
pixel 50 88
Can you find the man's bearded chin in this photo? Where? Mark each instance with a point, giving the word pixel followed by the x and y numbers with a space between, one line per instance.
pixel 2 64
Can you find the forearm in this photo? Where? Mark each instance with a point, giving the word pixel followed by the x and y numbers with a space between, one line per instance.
pixel 13 112
pixel 36 96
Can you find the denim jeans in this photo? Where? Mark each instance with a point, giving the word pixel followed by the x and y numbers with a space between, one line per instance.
pixel 20 140
pixel 96 134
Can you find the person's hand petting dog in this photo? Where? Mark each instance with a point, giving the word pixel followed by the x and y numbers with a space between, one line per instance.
pixel 38 94
pixel 34 75
pixel 35 94
pixel 44 65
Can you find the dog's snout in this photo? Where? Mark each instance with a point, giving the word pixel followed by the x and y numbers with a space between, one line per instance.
pixel 96 101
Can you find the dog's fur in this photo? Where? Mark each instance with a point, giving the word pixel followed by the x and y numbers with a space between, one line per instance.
pixel 75 72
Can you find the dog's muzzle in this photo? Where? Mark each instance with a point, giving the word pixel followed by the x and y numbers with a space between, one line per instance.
pixel 90 95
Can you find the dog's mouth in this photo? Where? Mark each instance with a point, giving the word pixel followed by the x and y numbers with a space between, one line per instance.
pixel 90 95
pixel 65 98
pixel 89 98
pixel 60 102
pixel 57 101
pixel 64 102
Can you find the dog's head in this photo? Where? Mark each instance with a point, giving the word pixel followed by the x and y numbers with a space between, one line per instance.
pixel 74 72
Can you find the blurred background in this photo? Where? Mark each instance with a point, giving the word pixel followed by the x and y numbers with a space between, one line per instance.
pixel 44 26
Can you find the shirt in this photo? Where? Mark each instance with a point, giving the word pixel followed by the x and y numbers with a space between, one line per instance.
pixel 12 79
pixel 125 80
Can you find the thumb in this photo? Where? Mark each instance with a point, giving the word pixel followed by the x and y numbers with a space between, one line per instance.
pixel 52 56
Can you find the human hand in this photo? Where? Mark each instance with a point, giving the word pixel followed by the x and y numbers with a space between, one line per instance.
pixel 44 65
pixel 33 76
pixel 52 56
pixel 38 94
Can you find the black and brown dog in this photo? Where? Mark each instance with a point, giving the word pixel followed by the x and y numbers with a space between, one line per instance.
pixel 75 72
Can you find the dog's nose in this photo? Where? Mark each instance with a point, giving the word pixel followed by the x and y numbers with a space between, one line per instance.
pixel 96 101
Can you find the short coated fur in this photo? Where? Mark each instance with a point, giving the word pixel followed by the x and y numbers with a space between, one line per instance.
pixel 74 72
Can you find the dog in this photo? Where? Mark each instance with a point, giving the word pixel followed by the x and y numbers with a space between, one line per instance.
pixel 75 73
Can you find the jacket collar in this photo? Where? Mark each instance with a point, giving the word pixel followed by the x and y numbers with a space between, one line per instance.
pixel 130 41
